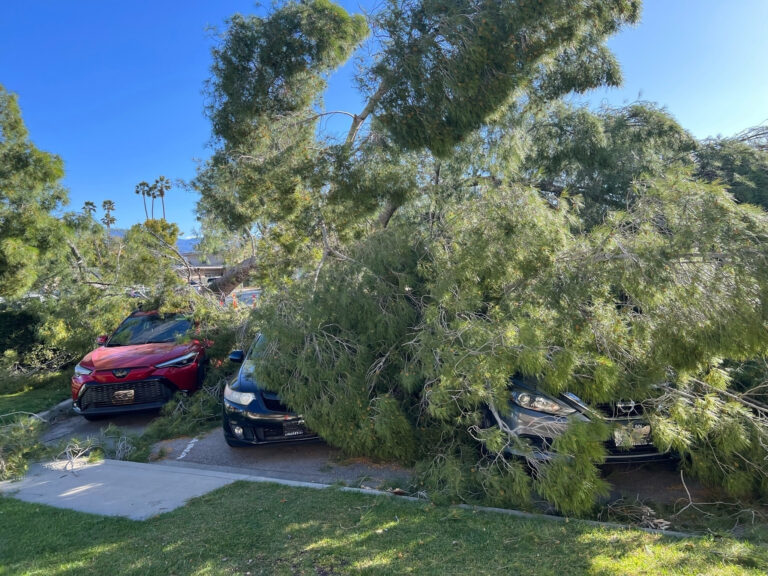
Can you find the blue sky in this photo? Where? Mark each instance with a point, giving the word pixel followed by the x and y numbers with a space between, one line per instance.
pixel 116 88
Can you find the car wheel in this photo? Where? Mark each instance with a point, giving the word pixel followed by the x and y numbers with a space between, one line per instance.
pixel 235 443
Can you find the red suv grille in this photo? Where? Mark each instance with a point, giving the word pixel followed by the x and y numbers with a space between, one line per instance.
pixel 124 393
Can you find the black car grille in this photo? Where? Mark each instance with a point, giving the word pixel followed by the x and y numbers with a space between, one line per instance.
pixel 627 410
pixel 272 402
pixel 119 394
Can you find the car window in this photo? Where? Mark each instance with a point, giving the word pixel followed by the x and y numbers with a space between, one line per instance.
pixel 151 329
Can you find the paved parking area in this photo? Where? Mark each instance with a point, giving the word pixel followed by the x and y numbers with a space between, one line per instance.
pixel 312 461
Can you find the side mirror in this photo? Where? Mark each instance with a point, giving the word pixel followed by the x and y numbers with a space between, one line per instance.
pixel 237 356
pixel 101 340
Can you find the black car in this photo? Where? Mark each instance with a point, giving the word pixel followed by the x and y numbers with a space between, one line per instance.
pixel 252 415
pixel 540 418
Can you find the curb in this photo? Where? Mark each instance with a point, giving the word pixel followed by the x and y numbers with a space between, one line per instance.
pixel 60 408
pixel 566 519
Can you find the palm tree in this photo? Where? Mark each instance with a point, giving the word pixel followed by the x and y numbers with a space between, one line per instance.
pixel 89 208
pixel 161 186
pixel 143 188
pixel 153 194
pixel 108 219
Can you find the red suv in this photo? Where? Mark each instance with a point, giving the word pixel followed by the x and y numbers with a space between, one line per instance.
pixel 148 358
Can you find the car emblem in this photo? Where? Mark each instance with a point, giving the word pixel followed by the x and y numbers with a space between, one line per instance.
pixel 625 407
pixel 121 372
pixel 122 396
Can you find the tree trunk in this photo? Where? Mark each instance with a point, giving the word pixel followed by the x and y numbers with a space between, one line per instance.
pixel 386 214
pixel 233 277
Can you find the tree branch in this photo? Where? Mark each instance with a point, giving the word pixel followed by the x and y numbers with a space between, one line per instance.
pixel 358 119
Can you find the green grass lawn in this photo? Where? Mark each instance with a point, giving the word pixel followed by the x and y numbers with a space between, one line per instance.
pixel 33 393
pixel 267 529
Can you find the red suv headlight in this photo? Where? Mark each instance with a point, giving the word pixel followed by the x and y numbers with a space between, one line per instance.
pixel 185 360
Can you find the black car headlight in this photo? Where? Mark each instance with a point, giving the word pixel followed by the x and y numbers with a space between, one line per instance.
pixel 236 397
pixel 185 360
pixel 540 403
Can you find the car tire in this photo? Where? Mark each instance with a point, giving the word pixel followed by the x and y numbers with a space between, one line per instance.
pixel 235 443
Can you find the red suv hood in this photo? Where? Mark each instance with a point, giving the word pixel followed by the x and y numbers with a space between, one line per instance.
pixel 137 356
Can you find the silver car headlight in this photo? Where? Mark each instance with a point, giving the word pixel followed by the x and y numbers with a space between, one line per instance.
pixel 185 360
pixel 243 398
pixel 540 403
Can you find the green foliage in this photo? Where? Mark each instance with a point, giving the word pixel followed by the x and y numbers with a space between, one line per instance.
pixel 377 173
pixel 267 171
pixel 723 438
pixel 274 66
pixel 17 331
pixel 30 192
pixel 743 168
pixel 448 66
pixel 150 261
pixel 572 480
pixel 598 156
pixel 19 440
pixel 346 365
pixel 396 349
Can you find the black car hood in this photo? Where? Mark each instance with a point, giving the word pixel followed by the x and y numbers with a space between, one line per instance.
pixel 246 383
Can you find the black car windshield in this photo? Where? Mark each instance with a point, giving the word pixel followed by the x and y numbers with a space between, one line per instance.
pixel 152 328
pixel 256 350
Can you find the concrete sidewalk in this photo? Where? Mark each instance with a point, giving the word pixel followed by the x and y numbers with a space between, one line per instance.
pixel 117 488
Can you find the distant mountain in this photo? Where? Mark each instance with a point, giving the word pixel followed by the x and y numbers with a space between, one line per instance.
pixel 185 245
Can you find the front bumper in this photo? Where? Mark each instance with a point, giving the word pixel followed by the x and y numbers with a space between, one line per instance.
pixel 541 429
pixel 242 425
